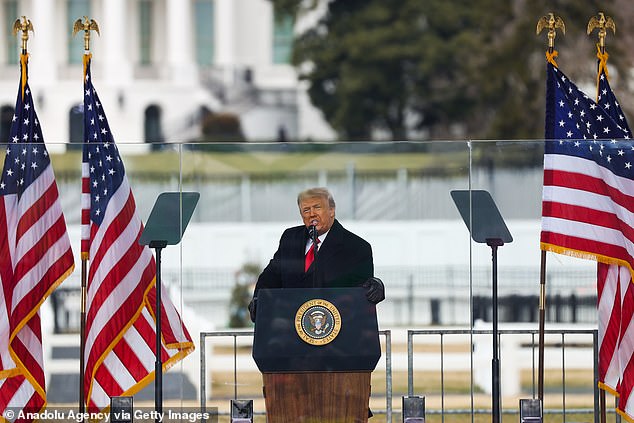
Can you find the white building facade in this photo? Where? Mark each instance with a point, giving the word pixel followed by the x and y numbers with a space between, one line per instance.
pixel 158 66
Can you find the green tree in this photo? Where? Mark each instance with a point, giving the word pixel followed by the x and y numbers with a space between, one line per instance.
pixel 241 294
pixel 450 69
pixel 362 67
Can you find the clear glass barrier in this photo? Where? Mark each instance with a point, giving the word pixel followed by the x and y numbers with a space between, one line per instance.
pixel 396 195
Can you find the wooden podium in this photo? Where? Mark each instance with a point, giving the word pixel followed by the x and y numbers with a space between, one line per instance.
pixel 316 349
pixel 317 397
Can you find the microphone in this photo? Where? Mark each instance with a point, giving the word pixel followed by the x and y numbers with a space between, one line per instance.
pixel 312 232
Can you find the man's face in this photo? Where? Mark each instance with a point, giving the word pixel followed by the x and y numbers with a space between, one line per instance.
pixel 316 211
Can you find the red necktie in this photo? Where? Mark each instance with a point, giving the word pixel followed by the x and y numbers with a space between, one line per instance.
pixel 310 256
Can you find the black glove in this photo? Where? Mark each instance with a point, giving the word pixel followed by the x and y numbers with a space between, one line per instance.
pixel 374 290
pixel 251 308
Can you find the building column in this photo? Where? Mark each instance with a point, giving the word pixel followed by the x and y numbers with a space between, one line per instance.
pixel 45 63
pixel 224 23
pixel 180 42
pixel 117 54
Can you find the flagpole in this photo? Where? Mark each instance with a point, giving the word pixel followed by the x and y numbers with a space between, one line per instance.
pixel 602 23
pixel 86 26
pixel 542 319
pixel 551 22
pixel 24 386
pixel 82 335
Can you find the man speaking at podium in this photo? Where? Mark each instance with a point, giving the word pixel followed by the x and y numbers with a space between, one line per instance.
pixel 340 259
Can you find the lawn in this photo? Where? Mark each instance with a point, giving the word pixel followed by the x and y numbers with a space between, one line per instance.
pixel 244 161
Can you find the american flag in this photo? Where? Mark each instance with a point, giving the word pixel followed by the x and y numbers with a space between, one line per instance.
pixel 616 367
pixel 609 323
pixel 587 177
pixel 587 211
pixel 120 329
pixel 609 284
pixel 35 256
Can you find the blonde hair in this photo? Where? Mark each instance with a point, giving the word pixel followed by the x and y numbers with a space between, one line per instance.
pixel 316 192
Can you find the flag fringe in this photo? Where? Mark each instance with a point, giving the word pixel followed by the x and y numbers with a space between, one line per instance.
pixel 20 367
pixel 137 387
pixel 116 340
pixel 608 389
pixel 175 345
pixel 40 411
pixel 5 374
pixel 585 255
pixel 185 348
pixel 625 415
pixel 37 306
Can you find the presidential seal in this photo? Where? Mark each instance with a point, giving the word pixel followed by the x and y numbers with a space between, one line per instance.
pixel 317 322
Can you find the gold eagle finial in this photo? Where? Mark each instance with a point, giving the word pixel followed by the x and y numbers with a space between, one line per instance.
pixel 551 22
pixel 602 22
pixel 25 26
pixel 86 25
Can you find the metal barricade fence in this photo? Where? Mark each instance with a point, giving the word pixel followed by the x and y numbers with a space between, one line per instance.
pixel 557 338
pixel 235 334
pixel 533 345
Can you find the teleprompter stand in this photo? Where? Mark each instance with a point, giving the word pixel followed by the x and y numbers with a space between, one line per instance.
pixel 486 225
pixel 165 226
